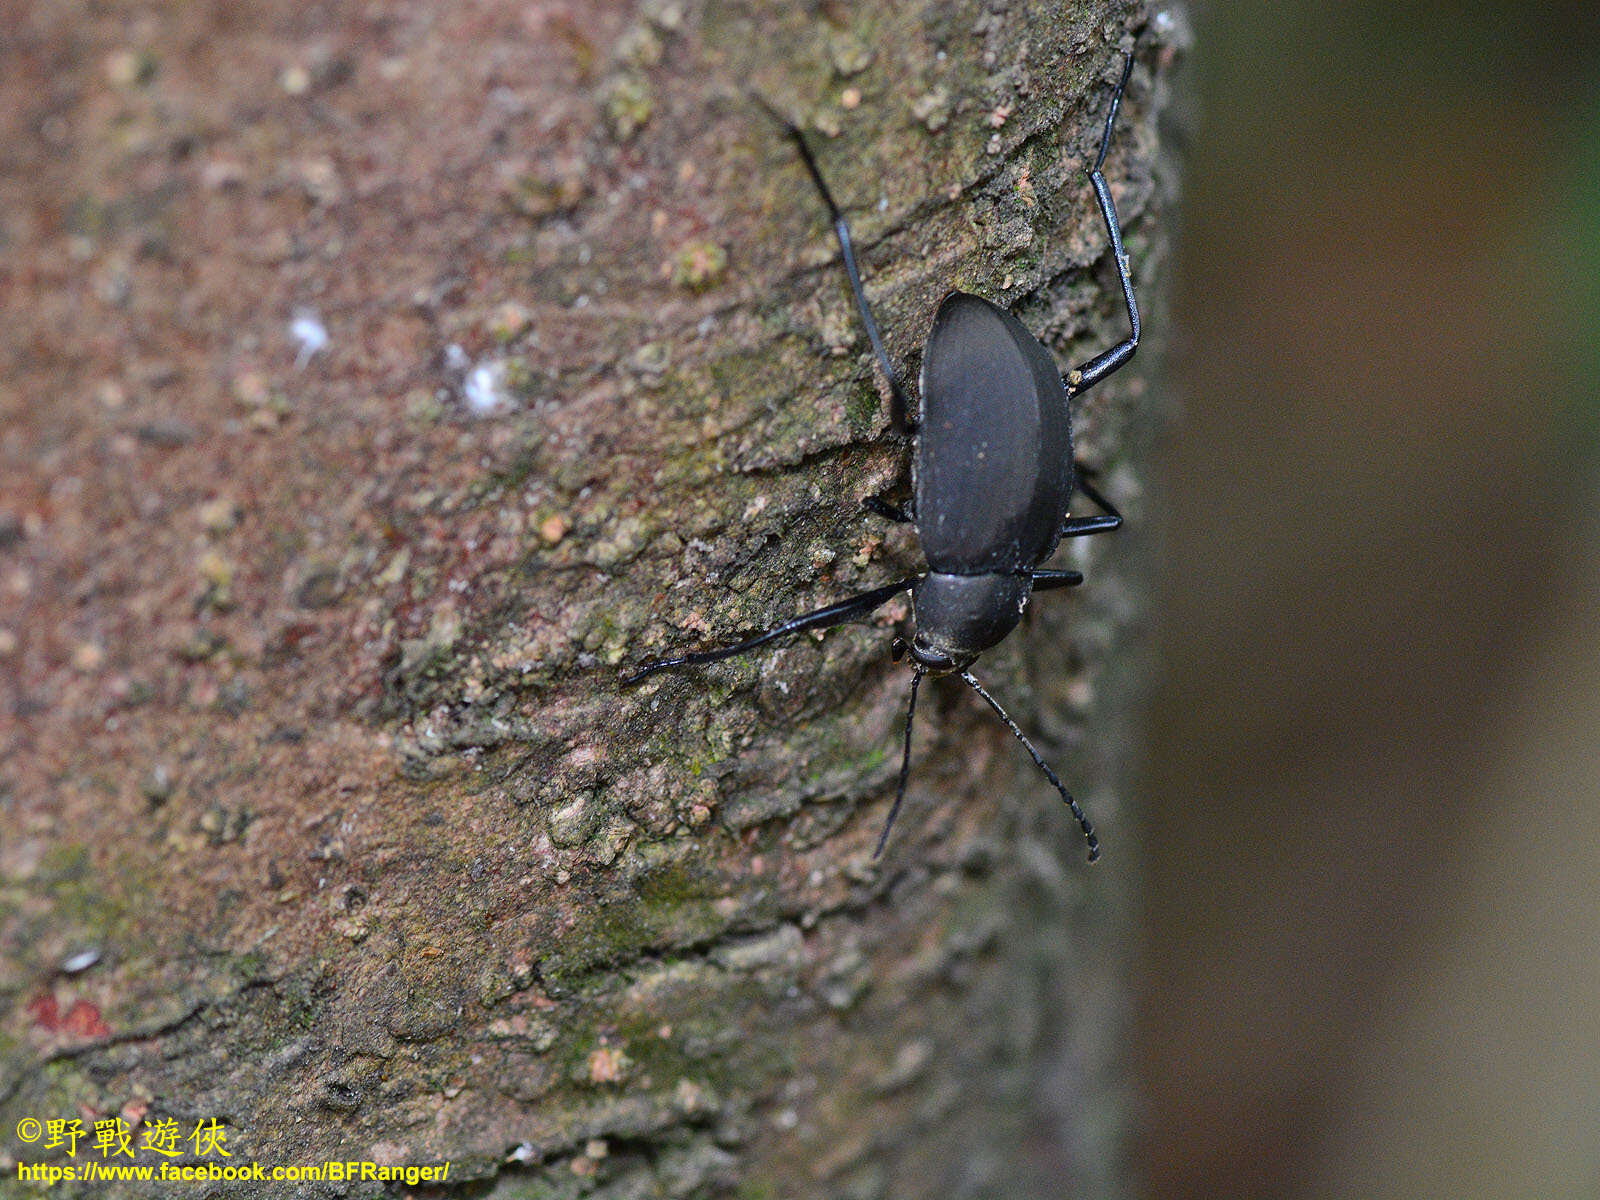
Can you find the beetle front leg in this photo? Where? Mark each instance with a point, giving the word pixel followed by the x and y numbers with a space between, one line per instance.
pixel 1081 378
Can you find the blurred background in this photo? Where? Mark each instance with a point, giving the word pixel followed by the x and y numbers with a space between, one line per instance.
pixel 1372 962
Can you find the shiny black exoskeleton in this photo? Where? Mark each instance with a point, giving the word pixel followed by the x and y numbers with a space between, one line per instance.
pixel 992 478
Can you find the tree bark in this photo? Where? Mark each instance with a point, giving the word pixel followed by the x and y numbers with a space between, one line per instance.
pixel 380 383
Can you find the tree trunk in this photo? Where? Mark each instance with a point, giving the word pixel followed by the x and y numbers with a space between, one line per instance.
pixel 381 381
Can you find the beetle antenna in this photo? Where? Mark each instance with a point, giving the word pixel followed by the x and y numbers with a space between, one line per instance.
pixel 905 765
pixel 1083 820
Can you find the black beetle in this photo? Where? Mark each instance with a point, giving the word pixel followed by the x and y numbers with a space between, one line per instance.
pixel 992 478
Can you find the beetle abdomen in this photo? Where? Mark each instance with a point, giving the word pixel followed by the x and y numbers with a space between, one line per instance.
pixel 993 466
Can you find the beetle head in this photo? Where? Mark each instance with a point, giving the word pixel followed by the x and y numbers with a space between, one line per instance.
pixel 961 616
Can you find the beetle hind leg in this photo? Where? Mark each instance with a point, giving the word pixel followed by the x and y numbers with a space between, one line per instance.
pixel 1082 378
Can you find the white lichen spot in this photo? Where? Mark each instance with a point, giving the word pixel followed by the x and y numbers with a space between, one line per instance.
pixel 81 961
pixel 319 177
pixel 1171 27
pixel 484 388
pixel 309 333
pixel 572 822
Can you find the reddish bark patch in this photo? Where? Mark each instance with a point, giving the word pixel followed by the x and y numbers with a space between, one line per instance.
pixel 82 1019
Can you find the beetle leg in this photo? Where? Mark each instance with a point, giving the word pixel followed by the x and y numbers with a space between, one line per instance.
pixel 1082 378
pixel 888 511
pixel 822 618
pixel 1044 581
pixel 899 418
pixel 1084 526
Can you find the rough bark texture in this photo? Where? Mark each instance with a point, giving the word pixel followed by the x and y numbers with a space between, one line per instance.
pixel 312 728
